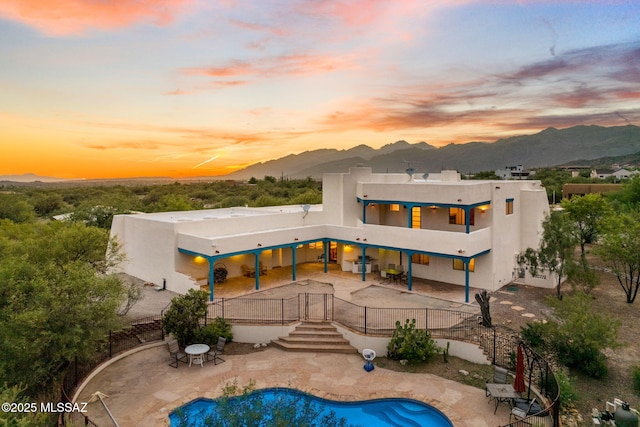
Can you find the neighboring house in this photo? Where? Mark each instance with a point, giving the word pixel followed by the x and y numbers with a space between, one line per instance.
pixel 601 173
pixel 513 172
pixel 621 174
pixel 439 228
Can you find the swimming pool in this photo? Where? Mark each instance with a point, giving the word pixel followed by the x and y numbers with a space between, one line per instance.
pixel 395 412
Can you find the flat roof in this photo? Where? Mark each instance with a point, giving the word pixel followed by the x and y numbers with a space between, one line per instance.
pixel 223 213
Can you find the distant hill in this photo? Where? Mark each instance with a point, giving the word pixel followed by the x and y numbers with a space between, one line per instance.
pixel 29 177
pixel 551 147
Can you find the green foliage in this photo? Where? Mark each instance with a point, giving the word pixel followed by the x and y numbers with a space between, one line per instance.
pixel 556 252
pixel 15 395
pixel 411 344
pixel 568 395
pixel 620 251
pixel 182 319
pixel 55 303
pixel 210 333
pixel 445 352
pixel 578 337
pixel 247 407
pixel 635 377
pixel 15 208
pixel 587 213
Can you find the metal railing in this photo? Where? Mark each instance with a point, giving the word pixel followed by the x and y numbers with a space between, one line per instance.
pixel 499 343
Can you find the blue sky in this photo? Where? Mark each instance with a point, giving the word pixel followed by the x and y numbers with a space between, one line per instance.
pixel 188 87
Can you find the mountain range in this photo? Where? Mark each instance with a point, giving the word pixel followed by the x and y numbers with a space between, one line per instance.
pixel 551 147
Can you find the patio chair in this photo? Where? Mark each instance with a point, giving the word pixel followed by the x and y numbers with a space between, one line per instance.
pixel 519 413
pixel 499 376
pixel 176 355
pixel 217 351
pixel 246 271
pixel 263 268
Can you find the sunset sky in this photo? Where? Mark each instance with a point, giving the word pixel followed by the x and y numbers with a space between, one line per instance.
pixel 128 88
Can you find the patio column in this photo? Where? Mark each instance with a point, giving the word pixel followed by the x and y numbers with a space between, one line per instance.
pixel 325 251
pixel 257 269
pixel 409 270
pixel 466 279
pixel 212 261
pixel 364 265
pixel 364 211
pixel 294 249
pixel 467 218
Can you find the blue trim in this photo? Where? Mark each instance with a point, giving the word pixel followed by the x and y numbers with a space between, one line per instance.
pixel 408 205
pixel 326 240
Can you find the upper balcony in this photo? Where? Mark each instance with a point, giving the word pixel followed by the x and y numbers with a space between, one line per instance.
pixel 452 193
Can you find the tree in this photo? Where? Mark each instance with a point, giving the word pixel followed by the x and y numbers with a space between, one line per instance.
pixel 55 304
pixel 620 251
pixel 556 250
pixel 13 207
pixel 578 336
pixel 587 213
pixel 182 319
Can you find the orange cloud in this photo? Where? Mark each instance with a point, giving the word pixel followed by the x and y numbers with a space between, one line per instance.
pixel 72 17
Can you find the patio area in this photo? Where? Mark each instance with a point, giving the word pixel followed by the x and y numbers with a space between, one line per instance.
pixel 143 389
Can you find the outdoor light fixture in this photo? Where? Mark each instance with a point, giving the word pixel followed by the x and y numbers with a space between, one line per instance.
pixel 295 239
pixel 217 251
pixel 460 251
pixel 259 244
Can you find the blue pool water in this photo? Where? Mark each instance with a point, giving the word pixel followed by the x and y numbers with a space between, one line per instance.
pixel 395 412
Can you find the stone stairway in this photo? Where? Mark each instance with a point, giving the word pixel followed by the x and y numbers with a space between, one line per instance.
pixel 319 337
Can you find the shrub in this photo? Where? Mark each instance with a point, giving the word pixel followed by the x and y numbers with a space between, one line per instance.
pixel 635 376
pixel 210 333
pixel 568 395
pixel 411 344
pixel 182 319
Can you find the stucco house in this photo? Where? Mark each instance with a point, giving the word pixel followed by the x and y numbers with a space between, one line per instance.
pixel 441 228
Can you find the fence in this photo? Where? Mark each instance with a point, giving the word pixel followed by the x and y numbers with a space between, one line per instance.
pixel 499 343
pixel 134 334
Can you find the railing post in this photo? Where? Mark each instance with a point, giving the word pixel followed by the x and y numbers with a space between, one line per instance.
pixel 494 345
pixel 282 311
pixel 223 309
pixel 365 320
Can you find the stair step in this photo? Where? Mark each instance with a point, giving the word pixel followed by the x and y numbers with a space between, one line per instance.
pixel 315 337
pixel 314 340
pixel 315 348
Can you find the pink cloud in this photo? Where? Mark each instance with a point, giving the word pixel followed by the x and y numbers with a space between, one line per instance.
pixel 72 17
pixel 284 65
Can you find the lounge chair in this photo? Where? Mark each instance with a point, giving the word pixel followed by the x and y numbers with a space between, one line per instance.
pixel 217 351
pixel 519 413
pixel 176 354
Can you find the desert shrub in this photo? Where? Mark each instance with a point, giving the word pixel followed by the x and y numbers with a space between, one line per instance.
pixel 210 333
pixel 568 395
pixel 182 319
pixel 578 337
pixel 411 344
pixel 635 376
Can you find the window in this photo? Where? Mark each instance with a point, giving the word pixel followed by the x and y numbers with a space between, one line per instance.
pixel 459 265
pixel 316 245
pixel 456 216
pixel 509 206
pixel 394 207
pixel 415 217
pixel 420 259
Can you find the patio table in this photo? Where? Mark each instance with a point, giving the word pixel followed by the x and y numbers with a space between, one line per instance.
pixel 501 393
pixel 196 353
pixel 394 274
